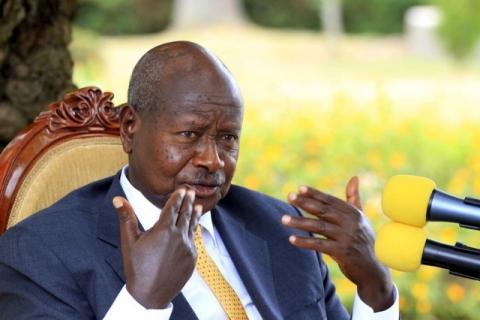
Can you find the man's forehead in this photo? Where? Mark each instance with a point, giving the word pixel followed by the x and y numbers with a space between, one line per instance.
pixel 194 99
pixel 203 106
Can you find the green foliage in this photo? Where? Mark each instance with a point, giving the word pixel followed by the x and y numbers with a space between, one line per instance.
pixel 299 14
pixel 143 16
pixel 376 16
pixel 460 28
pixel 123 16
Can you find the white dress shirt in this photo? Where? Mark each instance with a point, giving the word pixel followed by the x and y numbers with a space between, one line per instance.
pixel 198 294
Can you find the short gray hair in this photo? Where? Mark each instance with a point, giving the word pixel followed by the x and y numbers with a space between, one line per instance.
pixel 145 78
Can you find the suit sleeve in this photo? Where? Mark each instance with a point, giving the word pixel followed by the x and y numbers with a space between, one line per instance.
pixel 334 309
pixel 34 284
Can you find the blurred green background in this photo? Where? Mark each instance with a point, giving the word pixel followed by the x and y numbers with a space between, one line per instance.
pixel 322 106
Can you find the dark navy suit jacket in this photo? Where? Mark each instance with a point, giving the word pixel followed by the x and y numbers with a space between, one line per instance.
pixel 65 262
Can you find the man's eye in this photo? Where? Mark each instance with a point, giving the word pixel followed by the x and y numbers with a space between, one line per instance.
pixel 230 137
pixel 188 134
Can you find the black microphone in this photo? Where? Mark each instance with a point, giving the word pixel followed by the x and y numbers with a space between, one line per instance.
pixel 415 200
pixel 405 248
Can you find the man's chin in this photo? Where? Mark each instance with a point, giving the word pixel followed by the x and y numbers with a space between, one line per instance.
pixel 207 203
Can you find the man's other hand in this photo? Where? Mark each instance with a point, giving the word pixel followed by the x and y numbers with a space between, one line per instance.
pixel 347 237
pixel 158 262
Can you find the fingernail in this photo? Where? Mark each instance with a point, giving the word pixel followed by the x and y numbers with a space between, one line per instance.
pixel 117 202
pixel 292 239
pixel 191 193
pixel 292 196
pixel 182 192
pixel 303 189
pixel 286 219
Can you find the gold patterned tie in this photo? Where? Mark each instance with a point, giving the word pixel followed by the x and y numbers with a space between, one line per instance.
pixel 221 289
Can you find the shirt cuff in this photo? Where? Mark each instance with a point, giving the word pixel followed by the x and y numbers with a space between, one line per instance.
pixel 126 307
pixel 362 311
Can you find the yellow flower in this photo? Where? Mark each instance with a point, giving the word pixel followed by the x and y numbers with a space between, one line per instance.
pixel 476 183
pixel 252 182
pixel 474 163
pixel 345 286
pixel 397 160
pixel 459 181
pixel 272 152
pixel 426 273
pixel 455 292
pixel 403 303
pixel 312 146
pixel 423 306
pixel 289 187
pixel 328 260
pixel 326 183
pixel 448 235
pixel 312 166
pixel 475 293
pixel 372 207
pixel 374 158
pixel 420 291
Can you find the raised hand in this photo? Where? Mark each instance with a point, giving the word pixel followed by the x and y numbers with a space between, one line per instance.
pixel 158 262
pixel 347 237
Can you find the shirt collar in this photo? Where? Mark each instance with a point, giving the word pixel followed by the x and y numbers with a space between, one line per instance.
pixel 147 213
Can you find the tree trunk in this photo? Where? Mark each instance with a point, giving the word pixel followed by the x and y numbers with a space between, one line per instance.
pixel 35 64
pixel 194 13
pixel 331 17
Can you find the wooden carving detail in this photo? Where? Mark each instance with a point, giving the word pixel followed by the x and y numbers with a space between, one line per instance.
pixel 87 112
pixel 88 108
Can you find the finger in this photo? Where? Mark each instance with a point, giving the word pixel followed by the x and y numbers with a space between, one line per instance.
pixel 128 221
pixel 312 243
pixel 315 207
pixel 185 212
pixel 318 195
pixel 310 205
pixel 332 204
pixel 352 192
pixel 326 229
pixel 197 213
pixel 170 210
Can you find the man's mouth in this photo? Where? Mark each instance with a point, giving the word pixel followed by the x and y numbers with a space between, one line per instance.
pixel 203 190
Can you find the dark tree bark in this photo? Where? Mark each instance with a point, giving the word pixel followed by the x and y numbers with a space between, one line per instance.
pixel 35 64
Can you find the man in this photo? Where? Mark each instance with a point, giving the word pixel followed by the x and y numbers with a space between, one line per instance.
pixel 181 130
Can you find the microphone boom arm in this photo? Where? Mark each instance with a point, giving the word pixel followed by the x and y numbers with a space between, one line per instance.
pixel 460 259
pixel 445 207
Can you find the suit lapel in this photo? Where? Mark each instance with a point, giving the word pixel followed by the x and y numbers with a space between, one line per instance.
pixel 108 228
pixel 181 309
pixel 251 257
pixel 108 231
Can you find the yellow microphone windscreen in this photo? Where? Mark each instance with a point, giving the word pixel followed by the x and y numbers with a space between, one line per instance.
pixel 405 199
pixel 400 246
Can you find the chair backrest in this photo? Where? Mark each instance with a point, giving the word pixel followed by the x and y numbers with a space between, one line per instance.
pixel 74 142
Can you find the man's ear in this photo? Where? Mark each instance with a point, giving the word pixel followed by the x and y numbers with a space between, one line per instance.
pixel 129 125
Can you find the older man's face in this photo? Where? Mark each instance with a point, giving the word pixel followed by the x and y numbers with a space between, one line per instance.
pixel 191 140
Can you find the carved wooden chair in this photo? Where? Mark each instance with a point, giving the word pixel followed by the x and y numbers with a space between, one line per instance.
pixel 74 142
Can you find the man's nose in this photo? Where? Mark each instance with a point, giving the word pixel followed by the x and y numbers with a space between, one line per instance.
pixel 207 156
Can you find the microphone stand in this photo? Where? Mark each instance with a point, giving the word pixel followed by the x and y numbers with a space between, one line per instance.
pixel 459 260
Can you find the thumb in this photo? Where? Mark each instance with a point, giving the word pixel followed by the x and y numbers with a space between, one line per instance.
pixel 128 221
pixel 352 192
